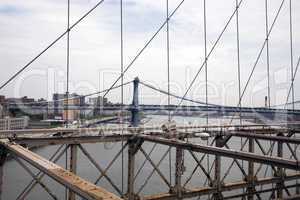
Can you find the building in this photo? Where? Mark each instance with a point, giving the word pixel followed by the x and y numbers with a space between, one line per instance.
pixel 97 102
pixel 1 112
pixel 61 103
pixel 13 106
pixel 2 99
pixel 8 123
pixel 24 99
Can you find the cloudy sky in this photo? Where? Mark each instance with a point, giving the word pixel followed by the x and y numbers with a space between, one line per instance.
pixel 26 27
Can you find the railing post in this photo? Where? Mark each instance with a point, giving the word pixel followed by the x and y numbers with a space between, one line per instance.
pixel 135 118
pixel 217 179
pixel 250 178
pixel 134 145
pixel 178 172
pixel 3 154
pixel 280 171
pixel 131 162
pixel 73 167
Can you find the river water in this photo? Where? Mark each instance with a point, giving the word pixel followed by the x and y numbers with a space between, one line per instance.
pixel 16 178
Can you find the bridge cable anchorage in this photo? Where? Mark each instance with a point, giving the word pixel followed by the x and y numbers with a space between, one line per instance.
pixel 51 44
pixel 259 54
pixel 145 46
pixel 210 52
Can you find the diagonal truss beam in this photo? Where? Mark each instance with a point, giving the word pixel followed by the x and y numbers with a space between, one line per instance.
pixel 102 171
pixel 195 192
pixel 54 158
pixel 276 161
pixel 153 170
pixel 155 167
pixel 78 185
pixel 36 178
pixel 199 164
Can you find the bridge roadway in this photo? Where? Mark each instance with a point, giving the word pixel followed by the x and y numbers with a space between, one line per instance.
pixel 13 139
pixel 222 110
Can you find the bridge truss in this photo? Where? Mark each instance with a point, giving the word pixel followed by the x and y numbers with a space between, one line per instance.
pixel 261 171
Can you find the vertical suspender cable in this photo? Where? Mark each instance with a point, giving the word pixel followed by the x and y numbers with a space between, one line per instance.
pixel 292 71
pixel 168 59
pixel 67 93
pixel 122 88
pixel 239 67
pixel 268 54
pixel 168 71
pixel 68 63
pixel 206 73
pixel 205 54
pixel 238 56
pixel 268 61
pixel 292 56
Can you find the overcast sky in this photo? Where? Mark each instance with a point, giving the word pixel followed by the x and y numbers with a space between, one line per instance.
pixel 26 27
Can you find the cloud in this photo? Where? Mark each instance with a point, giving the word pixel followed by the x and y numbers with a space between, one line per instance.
pixel 26 28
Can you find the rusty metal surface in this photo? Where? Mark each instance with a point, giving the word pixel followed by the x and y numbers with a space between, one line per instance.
pixel 155 134
pixel 270 160
pixel 194 192
pixel 265 127
pixel 78 185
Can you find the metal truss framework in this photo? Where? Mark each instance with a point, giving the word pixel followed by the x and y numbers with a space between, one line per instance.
pixel 260 158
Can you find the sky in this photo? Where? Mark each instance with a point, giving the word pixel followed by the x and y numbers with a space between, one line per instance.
pixel 28 27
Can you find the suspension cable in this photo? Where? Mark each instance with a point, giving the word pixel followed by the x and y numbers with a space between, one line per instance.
pixel 122 88
pixel 291 52
pixel 238 57
pixel 176 96
pixel 208 55
pixel 267 49
pixel 290 88
pixel 268 59
pixel 168 57
pixel 168 78
pixel 259 55
pixel 239 71
pixel 144 47
pixel 206 75
pixel 50 45
pixel 67 92
pixel 68 61
pixel 205 56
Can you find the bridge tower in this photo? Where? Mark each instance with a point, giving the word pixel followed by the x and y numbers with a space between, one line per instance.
pixel 135 117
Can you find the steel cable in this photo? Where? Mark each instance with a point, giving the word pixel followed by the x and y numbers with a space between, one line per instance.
pixel 50 45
